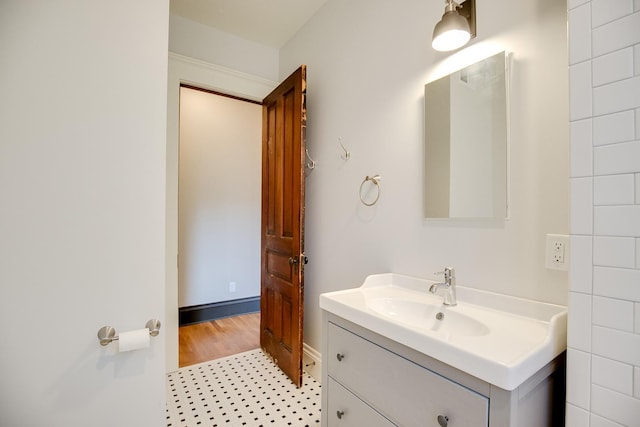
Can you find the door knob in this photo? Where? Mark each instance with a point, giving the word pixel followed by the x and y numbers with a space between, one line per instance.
pixel 339 357
pixel 443 421
pixel 293 260
pixel 340 414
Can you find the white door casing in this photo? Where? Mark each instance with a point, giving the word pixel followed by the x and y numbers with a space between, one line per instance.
pixel 186 70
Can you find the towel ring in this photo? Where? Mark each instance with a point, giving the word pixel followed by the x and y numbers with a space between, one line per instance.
pixel 376 180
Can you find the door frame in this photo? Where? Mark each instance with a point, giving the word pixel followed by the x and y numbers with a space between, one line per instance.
pixel 190 71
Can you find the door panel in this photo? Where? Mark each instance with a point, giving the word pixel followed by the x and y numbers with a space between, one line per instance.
pixel 282 276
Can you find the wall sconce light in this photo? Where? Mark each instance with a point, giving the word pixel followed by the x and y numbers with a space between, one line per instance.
pixel 457 26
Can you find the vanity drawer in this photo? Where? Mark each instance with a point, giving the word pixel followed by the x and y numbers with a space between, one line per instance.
pixel 344 409
pixel 407 393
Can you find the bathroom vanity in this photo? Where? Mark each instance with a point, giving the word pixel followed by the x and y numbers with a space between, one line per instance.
pixel 394 356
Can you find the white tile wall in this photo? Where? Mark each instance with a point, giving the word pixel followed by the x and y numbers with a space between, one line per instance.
pixel 580 34
pixel 614 190
pixel 613 67
pixel 581 148
pixel 604 297
pixel 616 220
pixel 580 91
pixel 609 10
pixel 597 421
pixel 576 417
pixel 617 127
pixel 579 368
pixel 615 406
pixel 616 158
pixel 617 345
pixel 581 277
pixel 581 205
pixel 616 35
pixel 614 251
pixel 612 375
pixel 618 283
pixel 579 337
pixel 618 96
pixel 572 4
pixel 613 313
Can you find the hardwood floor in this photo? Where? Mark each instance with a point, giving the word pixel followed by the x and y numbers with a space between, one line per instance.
pixel 218 338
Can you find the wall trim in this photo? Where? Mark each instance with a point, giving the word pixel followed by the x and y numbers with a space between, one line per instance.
pixel 218 310
pixel 220 79
pixel 312 362
pixel 213 92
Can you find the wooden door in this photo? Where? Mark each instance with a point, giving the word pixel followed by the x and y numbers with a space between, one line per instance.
pixel 282 279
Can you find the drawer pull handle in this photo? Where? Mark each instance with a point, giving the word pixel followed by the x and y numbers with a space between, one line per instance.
pixel 443 421
pixel 340 414
pixel 340 357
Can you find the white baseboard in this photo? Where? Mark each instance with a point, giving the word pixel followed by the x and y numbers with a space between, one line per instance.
pixel 312 362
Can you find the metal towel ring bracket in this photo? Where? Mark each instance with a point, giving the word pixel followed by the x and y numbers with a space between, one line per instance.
pixel 376 180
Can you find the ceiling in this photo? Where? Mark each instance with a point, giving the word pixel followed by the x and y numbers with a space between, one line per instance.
pixel 268 22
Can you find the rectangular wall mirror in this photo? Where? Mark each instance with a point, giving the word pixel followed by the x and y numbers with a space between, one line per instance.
pixel 466 142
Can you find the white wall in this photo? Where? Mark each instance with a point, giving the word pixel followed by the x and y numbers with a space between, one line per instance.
pixel 603 377
pixel 82 169
pixel 211 45
pixel 368 62
pixel 219 198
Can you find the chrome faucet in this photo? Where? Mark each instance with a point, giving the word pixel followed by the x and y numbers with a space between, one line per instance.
pixel 449 285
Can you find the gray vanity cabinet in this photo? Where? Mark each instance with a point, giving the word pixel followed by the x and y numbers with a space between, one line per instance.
pixel 346 410
pixel 370 380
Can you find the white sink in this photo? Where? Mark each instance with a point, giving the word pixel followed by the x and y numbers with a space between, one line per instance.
pixel 428 316
pixel 500 339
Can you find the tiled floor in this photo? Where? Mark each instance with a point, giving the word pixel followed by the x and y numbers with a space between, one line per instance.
pixel 242 390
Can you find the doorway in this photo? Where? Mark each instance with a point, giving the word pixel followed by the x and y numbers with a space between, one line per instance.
pixel 219 211
pixel 183 70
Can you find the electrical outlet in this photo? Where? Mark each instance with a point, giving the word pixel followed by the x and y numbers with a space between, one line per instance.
pixel 557 252
pixel 232 287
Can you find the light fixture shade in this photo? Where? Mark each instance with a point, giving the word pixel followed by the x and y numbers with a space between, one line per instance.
pixel 454 29
pixel 451 32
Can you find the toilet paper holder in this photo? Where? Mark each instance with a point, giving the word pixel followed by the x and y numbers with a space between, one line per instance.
pixel 107 334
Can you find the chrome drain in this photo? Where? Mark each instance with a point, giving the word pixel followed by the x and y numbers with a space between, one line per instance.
pixel 440 315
